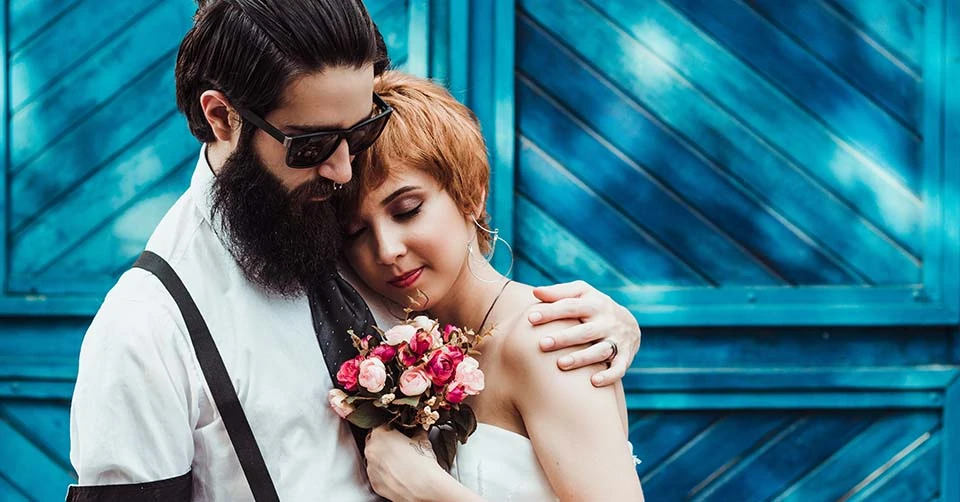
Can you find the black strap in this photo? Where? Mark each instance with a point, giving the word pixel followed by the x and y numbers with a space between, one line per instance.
pixel 178 489
pixel 215 373
pixel 337 308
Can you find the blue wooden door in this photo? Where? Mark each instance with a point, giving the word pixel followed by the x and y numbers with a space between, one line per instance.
pixel 94 153
pixel 771 187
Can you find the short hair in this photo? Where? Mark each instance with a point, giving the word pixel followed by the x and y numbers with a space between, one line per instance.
pixel 250 50
pixel 433 132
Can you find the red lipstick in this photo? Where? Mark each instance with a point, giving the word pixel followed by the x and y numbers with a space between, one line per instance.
pixel 406 280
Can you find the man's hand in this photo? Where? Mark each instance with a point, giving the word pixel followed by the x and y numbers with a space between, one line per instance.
pixel 601 320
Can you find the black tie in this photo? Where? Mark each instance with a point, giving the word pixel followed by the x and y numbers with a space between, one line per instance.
pixel 337 308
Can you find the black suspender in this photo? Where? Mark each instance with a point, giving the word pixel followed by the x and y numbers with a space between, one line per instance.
pixel 215 373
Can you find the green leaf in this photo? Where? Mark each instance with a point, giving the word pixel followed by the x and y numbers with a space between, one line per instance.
pixel 407 400
pixel 368 416
pixel 464 422
pixel 446 447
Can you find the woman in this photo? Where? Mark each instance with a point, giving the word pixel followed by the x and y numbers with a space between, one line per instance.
pixel 417 228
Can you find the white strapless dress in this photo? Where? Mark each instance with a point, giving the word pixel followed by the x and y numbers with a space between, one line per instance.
pixel 500 465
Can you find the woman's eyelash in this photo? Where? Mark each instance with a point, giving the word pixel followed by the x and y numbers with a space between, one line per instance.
pixel 409 214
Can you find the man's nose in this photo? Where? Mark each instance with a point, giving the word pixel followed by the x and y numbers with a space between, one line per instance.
pixel 337 168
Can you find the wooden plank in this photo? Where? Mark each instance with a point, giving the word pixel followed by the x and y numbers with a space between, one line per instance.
pixel 527 272
pixel 418 37
pixel 897 26
pixel 623 184
pixel 894 86
pixel 68 223
pixel 4 152
pixel 62 106
pixel 660 306
pixel 36 389
pixel 10 492
pixel 98 261
pixel 859 458
pixel 747 105
pixel 62 47
pixel 29 18
pixel 671 159
pixel 501 139
pixel 783 400
pixel 943 127
pixel 33 471
pixel 821 349
pixel 118 128
pixel 913 477
pixel 394 24
pixel 789 378
pixel 657 86
pixel 459 62
pixel 639 255
pixel 782 458
pixel 552 248
pixel 950 471
pixel 46 424
pixel 709 454
pixel 841 109
pixel 655 436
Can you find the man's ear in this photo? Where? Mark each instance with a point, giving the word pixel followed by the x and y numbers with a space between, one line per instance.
pixel 222 117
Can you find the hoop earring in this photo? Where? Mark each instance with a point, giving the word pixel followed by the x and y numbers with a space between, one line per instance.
pixel 495 233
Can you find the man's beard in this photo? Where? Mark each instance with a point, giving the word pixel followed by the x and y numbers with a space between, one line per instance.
pixel 282 240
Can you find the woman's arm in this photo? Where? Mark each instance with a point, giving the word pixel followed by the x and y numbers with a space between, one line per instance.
pixel 405 469
pixel 578 430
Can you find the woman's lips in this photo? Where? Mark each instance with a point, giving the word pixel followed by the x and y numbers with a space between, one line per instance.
pixel 406 280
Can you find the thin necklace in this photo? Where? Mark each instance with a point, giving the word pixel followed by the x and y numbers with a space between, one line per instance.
pixel 484 321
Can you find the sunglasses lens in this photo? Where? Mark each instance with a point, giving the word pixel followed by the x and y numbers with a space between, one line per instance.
pixel 362 137
pixel 308 152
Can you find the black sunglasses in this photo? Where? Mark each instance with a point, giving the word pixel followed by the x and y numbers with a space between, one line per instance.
pixel 308 150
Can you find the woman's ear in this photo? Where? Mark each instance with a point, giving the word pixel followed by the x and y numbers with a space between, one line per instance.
pixel 222 117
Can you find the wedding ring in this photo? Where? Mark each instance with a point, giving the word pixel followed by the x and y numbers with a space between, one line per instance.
pixel 614 349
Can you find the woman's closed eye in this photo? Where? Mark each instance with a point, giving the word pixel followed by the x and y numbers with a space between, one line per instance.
pixel 404 213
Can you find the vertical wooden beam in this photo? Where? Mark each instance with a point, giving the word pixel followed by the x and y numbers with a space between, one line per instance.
pixel 418 37
pixel 458 69
pixel 4 144
pixel 502 146
pixel 950 464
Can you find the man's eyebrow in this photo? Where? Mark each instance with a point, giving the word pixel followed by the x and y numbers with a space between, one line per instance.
pixel 397 193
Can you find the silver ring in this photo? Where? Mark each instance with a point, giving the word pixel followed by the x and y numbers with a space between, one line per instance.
pixel 613 346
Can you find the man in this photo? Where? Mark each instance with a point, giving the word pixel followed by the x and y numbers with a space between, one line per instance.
pixel 280 92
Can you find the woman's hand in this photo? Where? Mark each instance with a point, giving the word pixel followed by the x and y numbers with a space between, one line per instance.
pixel 602 321
pixel 401 468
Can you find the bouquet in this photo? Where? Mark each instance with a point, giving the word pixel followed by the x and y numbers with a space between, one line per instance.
pixel 414 376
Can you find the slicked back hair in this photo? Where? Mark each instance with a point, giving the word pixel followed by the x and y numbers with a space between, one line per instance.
pixel 252 49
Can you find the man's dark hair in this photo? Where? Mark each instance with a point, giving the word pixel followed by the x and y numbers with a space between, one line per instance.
pixel 251 49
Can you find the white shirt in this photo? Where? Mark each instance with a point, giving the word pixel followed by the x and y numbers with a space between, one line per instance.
pixel 141 409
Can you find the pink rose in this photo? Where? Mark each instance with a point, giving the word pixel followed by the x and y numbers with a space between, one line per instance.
pixel 373 374
pixel 455 394
pixel 421 342
pixel 337 399
pixel 443 363
pixel 399 334
pixel 384 352
pixel 406 356
pixel 449 328
pixel 430 326
pixel 469 376
pixel 414 382
pixel 348 373
pixel 365 342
